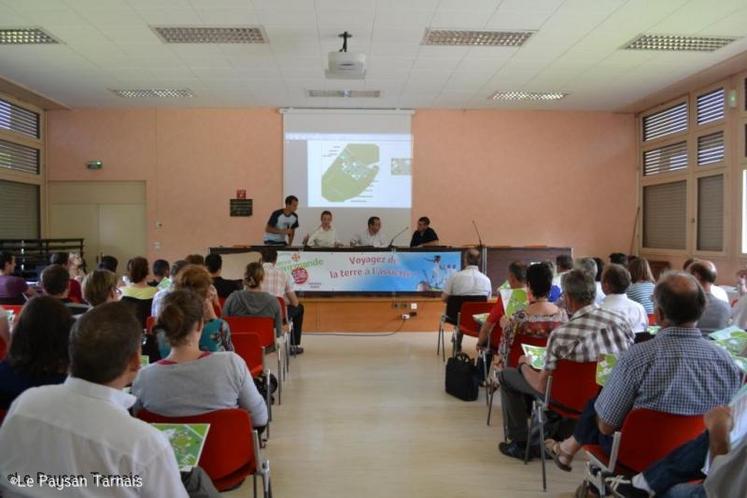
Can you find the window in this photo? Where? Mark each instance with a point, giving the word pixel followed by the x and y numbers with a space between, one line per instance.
pixel 16 118
pixel 710 106
pixel 665 216
pixel 665 159
pixel 711 148
pixel 711 213
pixel 19 210
pixel 667 122
pixel 19 157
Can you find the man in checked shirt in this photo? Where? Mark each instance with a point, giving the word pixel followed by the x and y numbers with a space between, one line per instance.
pixel 678 372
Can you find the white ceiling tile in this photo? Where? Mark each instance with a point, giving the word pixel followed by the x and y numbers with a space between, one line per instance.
pixel 295 17
pixel 531 5
pixel 160 4
pixel 474 5
pixel 356 22
pixel 435 64
pixel 433 51
pixel 731 25
pixel 300 47
pixel 397 35
pixel 517 20
pixel 480 65
pixel 115 16
pixel 258 61
pixel 403 18
pixel 411 4
pixel 359 5
pixel 49 18
pixel 277 33
pixel 35 6
pixel 198 61
pixel 395 49
pixel 228 17
pixel 461 19
pixel 246 50
pixel 286 5
pixel 467 82
pixel 221 4
pixel 169 17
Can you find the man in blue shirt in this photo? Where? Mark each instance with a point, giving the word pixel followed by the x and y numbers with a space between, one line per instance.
pixel 281 227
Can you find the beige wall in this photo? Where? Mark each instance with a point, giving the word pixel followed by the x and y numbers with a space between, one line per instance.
pixel 553 178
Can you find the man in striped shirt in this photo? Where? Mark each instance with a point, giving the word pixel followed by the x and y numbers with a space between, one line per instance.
pixel 591 332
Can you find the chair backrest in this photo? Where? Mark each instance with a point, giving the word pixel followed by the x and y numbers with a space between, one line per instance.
pixel 3 349
pixel 2 415
pixel 467 323
pixel 648 435
pixel 140 307
pixel 12 301
pixel 15 308
pixel 283 309
pixel 573 385
pixel 652 319
pixel 249 347
pixel 516 351
pixel 264 326
pixel 150 322
pixel 454 304
pixel 229 445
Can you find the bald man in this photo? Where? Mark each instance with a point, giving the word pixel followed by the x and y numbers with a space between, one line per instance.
pixel 717 313
pixel 470 281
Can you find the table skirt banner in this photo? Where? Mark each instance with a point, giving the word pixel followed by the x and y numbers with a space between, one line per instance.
pixel 385 271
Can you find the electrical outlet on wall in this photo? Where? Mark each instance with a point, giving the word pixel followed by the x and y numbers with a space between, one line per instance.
pixel 157 246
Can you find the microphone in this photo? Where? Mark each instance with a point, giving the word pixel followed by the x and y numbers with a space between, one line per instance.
pixel 391 242
pixel 478 233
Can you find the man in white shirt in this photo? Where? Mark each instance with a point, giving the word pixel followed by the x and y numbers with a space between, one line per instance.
pixel 78 437
pixel 615 281
pixel 470 281
pixel 372 236
pixel 277 283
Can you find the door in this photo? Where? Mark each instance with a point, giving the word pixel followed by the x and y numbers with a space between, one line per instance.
pixel 109 216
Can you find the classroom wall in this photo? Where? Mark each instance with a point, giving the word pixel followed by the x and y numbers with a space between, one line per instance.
pixel 525 177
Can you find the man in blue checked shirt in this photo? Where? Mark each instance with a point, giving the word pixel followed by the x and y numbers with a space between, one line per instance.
pixel 678 372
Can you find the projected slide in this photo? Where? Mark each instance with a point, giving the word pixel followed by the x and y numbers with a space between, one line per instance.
pixel 359 171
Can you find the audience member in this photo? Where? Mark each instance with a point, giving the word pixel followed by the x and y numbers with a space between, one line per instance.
pixel 138 288
pixel 717 313
pixel 679 473
pixel 83 426
pixel 100 286
pixel 372 236
pixel 108 263
pixel 160 274
pixel 325 235
pixel 77 267
pixel 4 327
pixel 424 236
pixel 517 281
pixel 600 269
pixel 216 334
pixel 38 352
pixel 590 333
pixel 55 282
pixel 214 264
pixel 468 282
pixel 555 290
pixel 195 259
pixel 74 293
pixel 539 318
pixel 591 268
pixel 642 287
pixel 190 380
pixel 178 265
pixel 563 264
pixel 253 301
pixel 615 281
pixel 619 258
pixel 659 374
pixel 13 289
pixel 281 227
pixel 277 283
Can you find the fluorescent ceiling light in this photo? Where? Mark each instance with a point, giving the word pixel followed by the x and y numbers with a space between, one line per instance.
pixel 344 93
pixel 679 43
pixel 517 95
pixel 216 34
pixel 157 93
pixel 25 36
pixel 455 37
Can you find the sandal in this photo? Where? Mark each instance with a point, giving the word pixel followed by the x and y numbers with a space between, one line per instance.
pixel 553 449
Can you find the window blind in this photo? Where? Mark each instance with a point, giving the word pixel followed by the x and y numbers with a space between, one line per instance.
pixel 711 148
pixel 665 159
pixel 667 122
pixel 18 119
pixel 19 210
pixel 19 157
pixel 665 216
pixel 711 213
pixel 710 106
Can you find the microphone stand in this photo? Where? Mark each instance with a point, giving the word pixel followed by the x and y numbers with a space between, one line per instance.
pixel 391 242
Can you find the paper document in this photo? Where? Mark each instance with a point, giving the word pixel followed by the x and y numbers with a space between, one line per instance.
pixel 604 368
pixel 535 355
pixel 187 441
pixel 734 340
pixel 513 300
pixel 739 416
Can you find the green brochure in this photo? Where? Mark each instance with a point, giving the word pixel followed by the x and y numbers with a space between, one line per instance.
pixel 513 300
pixel 604 368
pixel 535 355
pixel 144 360
pixel 187 440
pixel 653 329
pixel 734 340
pixel 480 318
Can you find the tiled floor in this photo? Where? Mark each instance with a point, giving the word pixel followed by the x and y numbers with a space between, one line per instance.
pixel 368 417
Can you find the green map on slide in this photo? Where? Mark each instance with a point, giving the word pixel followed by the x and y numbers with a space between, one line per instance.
pixel 187 441
pixel 351 173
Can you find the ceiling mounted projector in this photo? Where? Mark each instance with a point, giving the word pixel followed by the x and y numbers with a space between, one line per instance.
pixel 344 65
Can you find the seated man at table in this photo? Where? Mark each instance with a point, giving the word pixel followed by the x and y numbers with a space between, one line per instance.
pixel 468 282
pixel 82 426
pixel 372 236
pixel 424 236
pixel 591 332
pixel 677 372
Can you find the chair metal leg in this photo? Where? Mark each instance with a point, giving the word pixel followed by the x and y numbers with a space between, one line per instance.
pixel 490 402
pixel 280 383
pixel 254 484
pixel 529 437
pixel 541 418
pixel 439 339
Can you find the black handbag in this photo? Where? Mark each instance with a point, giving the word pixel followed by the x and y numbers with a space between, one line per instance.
pixel 462 377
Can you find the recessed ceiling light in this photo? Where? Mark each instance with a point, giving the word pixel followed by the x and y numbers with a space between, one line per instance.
pixel 455 37
pixel 216 34
pixel 354 94
pixel 522 95
pixel 679 43
pixel 25 36
pixel 157 93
